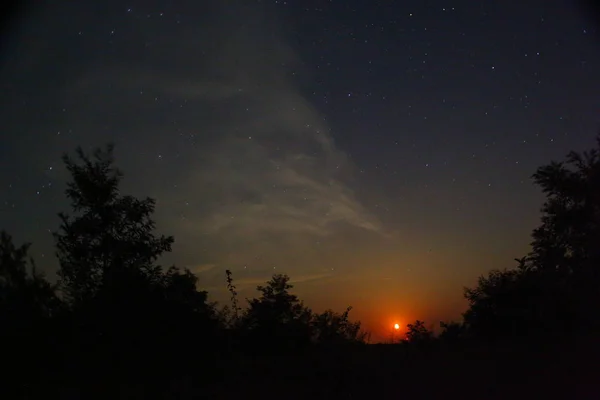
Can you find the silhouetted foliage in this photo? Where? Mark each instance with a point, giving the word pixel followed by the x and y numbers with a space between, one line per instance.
pixel 124 309
pixel 554 290
pixel 111 235
pixel 331 328
pixel 452 331
pixel 235 308
pixel 277 317
pixel 122 318
pixel 495 305
pixel 27 303
pixel 417 333
pixel 24 296
pixel 567 241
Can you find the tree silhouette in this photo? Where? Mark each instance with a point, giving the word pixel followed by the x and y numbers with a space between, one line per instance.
pixel 417 333
pixel 127 313
pixel 111 235
pixel 452 331
pixel 331 328
pixel 125 319
pixel 24 296
pixel 27 303
pixel 278 317
pixel 568 239
pixel 553 290
pixel 495 304
pixel 180 288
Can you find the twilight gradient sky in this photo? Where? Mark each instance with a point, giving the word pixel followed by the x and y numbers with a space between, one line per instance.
pixel 378 152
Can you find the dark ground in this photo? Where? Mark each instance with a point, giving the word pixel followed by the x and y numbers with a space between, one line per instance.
pixel 567 370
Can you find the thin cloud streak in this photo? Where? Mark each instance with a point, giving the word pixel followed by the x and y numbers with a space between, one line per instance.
pixel 250 283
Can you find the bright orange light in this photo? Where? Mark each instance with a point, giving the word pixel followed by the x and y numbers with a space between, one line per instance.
pixel 396 326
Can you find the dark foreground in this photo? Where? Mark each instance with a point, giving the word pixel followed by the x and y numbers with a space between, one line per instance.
pixel 567 370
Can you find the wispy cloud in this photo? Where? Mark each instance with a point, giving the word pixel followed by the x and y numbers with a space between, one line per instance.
pixel 248 284
pixel 199 269
pixel 248 172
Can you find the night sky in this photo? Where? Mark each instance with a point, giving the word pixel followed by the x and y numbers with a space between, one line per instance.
pixel 378 152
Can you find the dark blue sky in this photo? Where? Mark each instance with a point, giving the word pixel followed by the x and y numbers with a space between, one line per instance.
pixel 378 152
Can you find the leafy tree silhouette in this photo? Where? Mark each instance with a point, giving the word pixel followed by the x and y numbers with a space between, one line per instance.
pixel 180 289
pixel 417 333
pixel 123 304
pixel 331 328
pixel 569 235
pixel 452 331
pixel 24 296
pixel 111 236
pixel 278 318
pixel 124 318
pixel 27 302
pixel 553 290
pixel 496 305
